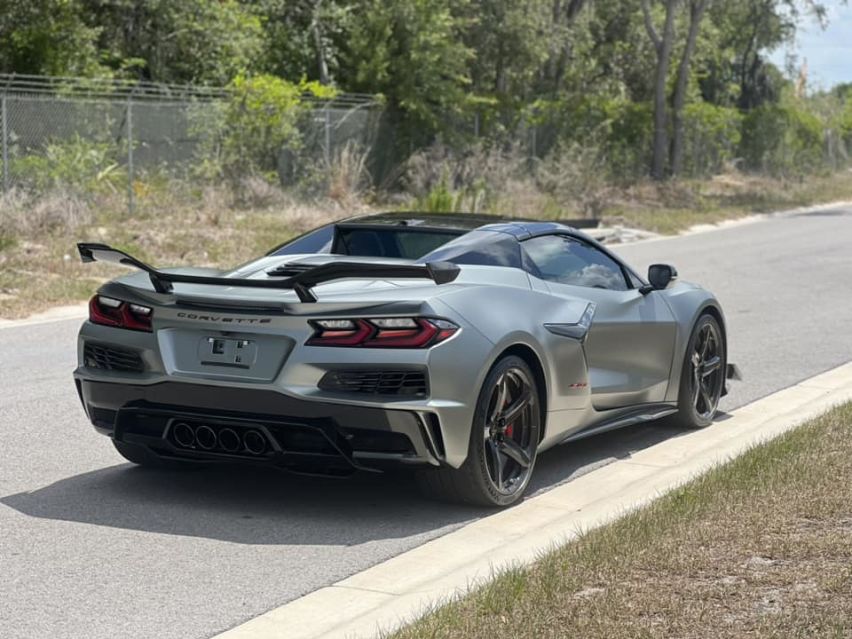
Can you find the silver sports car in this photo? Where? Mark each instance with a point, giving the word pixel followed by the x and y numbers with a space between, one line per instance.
pixel 461 346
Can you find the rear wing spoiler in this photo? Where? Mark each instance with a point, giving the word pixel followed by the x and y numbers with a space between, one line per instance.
pixel 301 283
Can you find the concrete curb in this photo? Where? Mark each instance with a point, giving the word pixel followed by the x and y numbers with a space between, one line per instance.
pixel 399 590
pixel 752 218
pixel 55 314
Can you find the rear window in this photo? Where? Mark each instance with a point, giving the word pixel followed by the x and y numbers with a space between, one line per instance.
pixel 318 241
pixel 397 242
pixel 485 248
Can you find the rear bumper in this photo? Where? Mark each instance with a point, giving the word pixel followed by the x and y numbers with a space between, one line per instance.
pixel 302 436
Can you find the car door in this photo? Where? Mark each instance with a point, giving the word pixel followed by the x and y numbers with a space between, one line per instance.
pixel 630 344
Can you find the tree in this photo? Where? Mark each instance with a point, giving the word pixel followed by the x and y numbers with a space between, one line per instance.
pixel 412 53
pixel 668 159
pixel 304 37
pixel 47 37
pixel 663 45
pixel 696 14
pixel 192 41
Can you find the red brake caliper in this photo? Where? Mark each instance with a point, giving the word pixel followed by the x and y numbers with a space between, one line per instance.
pixel 510 429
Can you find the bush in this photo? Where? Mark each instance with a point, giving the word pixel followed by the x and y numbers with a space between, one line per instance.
pixel 621 128
pixel 31 215
pixel 75 164
pixel 443 179
pixel 576 177
pixel 782 140
pixel 258 124
pixel 711 138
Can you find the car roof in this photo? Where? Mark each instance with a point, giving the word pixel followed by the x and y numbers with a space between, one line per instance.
pixel 461 222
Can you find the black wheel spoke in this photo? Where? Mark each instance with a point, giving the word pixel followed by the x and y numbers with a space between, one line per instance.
pixel 514 411
pixel 711 365
pixel 512 449
pixel 500 392
pixel 497 463
pixel 705 397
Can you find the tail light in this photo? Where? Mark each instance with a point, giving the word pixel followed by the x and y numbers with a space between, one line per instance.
pixel 391 332
pixel 109 311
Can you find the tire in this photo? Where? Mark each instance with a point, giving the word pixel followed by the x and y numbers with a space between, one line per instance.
pixel 702 378
pixel 141 456
pixel 499 447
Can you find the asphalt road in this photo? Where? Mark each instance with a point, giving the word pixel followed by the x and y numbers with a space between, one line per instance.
pixel 91 547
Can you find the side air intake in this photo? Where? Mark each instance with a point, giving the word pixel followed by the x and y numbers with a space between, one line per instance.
pixel 408 383
pixel 110 358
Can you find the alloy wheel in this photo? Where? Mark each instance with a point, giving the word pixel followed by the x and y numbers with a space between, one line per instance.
pixel 511 432
pixel 707 374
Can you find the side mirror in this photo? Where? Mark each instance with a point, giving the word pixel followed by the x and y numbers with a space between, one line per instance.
pixel 660 276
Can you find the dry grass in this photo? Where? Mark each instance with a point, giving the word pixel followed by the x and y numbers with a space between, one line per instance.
pixel 39 267
pixel 178 224
pixel 675 206
pixel 572 183
pixel 761 547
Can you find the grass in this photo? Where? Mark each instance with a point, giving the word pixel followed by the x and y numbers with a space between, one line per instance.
pixel 760 547
pixel 674 207
pixel 177 225
pixel 39 266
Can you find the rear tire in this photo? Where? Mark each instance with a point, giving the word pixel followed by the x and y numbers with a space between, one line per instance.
pixel 141 456
pixel 702 378
pixel 503 441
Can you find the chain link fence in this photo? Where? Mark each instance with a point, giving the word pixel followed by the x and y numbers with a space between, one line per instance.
pixel 56 132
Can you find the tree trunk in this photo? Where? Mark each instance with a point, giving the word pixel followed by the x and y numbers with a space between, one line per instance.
pixel 696 13
pixel 563 15
pixel 663 46
pixel 322 65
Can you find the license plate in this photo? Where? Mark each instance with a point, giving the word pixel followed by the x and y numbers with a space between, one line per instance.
pixel 228 352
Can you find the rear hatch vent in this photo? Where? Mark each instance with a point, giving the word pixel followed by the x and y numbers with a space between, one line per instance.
pixel 408 383
pixel 110 358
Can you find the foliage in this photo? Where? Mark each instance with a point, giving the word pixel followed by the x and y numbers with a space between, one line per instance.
pixel 712 137
pixel 77 164
pixel 191 41
pixel 620 130
pixel 411 52
pixel 48 37
pixel 845 120
pixel 782 139
pixel 304 37
pixel 258 124
pixel 543 74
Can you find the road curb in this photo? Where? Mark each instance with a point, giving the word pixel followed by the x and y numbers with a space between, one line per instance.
pixel 55 314
pixel 401 589
pixel 752 218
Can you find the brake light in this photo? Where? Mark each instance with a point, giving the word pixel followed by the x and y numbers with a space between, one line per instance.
pixel 391 332
pixel 109 311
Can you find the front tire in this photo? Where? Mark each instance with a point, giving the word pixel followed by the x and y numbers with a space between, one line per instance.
pixel 702 377
pixel 503 442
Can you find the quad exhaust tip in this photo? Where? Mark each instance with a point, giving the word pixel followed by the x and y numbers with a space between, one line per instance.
pixel 229 441
pixel 226 440
pixel 254 442
pixel 184 435
pixel 205 437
